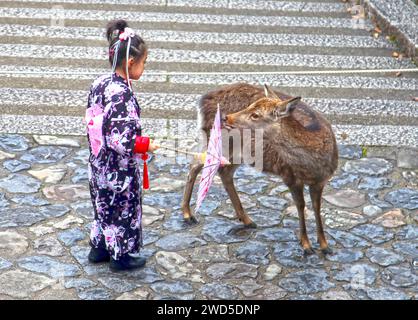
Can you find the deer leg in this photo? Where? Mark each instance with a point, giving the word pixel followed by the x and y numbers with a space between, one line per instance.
pixel 297 195
pixel 227 177
pixel 316 194
pixel 195 168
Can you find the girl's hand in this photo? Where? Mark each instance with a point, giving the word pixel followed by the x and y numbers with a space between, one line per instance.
pixel 153 146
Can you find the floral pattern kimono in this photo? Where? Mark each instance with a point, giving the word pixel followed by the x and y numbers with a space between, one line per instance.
pixel 113 122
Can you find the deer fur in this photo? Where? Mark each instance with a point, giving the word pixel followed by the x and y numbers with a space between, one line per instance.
pixel 298 145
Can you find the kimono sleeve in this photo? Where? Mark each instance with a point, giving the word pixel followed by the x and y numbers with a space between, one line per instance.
pixel 121 125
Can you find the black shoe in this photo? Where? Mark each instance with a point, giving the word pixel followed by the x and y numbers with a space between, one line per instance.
pixel 98 255
pixel 126 262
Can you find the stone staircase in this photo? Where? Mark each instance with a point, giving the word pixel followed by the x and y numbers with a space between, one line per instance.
pixel 67 36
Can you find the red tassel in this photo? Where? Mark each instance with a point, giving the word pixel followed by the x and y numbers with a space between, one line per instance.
pixel 145 179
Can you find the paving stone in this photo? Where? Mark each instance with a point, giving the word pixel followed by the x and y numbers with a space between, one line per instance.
pixel 12 244
pixel 52 174
pixel 249 287
pixel 349 152
pixel 139 294
pixel 290 254
pixel 4 264
pixel 272 202
pixel 118 285
pixel 21 284
pixel 179 241
pixel 386 293
pixel 374 233
pixel 82 157
pixel 408 232
pixel 80 175
pixel 173 264
pixel 3 201
pixel 208 207
pixel 83 209
pixel 27 216
pixel 69 221
pixel 407 248
pixel 175 222
pixel 145 275
pixel 336 295
pixel 391 219
pixel 408 158
pixel 18 183
pixel 271 292
pixel 375 183
pixel 347 239
pixel 148 219
pixel 345 180
pixel 95 294
pixel 29 200
pixel 372 211
pixel 71 236
pixel 165 200
pixel 368 166
pixel 383 256
pixel 49 246
pixel 345 255
pixel 276 234
pixel 79 283
pixel 40 231
pixel 252 187
pixel 210 253
pixel 272 271
pixel 164 184
pixel 49 266
pixel 306 282
pixel 15 165
pixel 265 218
pixel 411 178
pixel 346 198
pixel 403 198
pixel 231 271
pixel 342 219
pixel 219 291
pixel 150 237
pixel 55 141
pixel 279 190
pixel 374 199
pixel 223 231
pixel 69 192
pixel 246 201
pixel 45 154
pixel 359 275
pixel 5 155
pixel 292 211
pixel 178 287
pixel 253 252
pixel 13 143
pixel 399 276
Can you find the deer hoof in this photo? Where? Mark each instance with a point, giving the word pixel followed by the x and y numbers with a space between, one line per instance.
pixel 251 225
pixel 191 220
pixel 326 250
pixel 308 251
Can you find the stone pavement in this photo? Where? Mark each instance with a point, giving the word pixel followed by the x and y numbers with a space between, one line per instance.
pixel 370 210
pixel 370 206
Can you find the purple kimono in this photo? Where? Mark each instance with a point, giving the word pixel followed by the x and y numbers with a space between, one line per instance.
pixel 112 117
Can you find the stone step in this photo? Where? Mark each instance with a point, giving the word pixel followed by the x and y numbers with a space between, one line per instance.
pixel 286 6
pixel 379 135
pixel 316 86
pixel 55 15
pixel 89 34
pixel 209 57
pixel 26 99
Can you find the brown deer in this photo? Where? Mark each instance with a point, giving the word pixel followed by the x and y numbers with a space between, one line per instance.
pixel 298 145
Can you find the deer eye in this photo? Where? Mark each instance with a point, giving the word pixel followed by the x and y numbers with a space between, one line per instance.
pixel 255 116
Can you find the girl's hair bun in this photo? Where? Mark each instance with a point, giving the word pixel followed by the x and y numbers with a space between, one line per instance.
pixel 114 28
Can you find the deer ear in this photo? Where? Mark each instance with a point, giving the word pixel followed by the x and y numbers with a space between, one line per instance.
pixel 285 108
pixel 270 93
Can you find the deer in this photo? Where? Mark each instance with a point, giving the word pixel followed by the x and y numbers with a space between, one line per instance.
pixel 298 145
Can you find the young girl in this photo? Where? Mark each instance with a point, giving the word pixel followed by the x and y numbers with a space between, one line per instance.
pixel 116 147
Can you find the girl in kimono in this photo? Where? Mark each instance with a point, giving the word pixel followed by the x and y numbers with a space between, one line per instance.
pixel 117 147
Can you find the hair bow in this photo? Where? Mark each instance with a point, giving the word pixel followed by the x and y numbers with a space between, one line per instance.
pixel 127 33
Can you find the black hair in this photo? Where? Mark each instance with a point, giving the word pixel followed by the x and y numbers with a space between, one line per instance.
pixel 138 46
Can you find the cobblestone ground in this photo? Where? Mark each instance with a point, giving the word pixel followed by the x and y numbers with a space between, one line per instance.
pixel 370 211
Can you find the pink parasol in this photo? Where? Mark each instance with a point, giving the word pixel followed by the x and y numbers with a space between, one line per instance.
pixel 213 159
